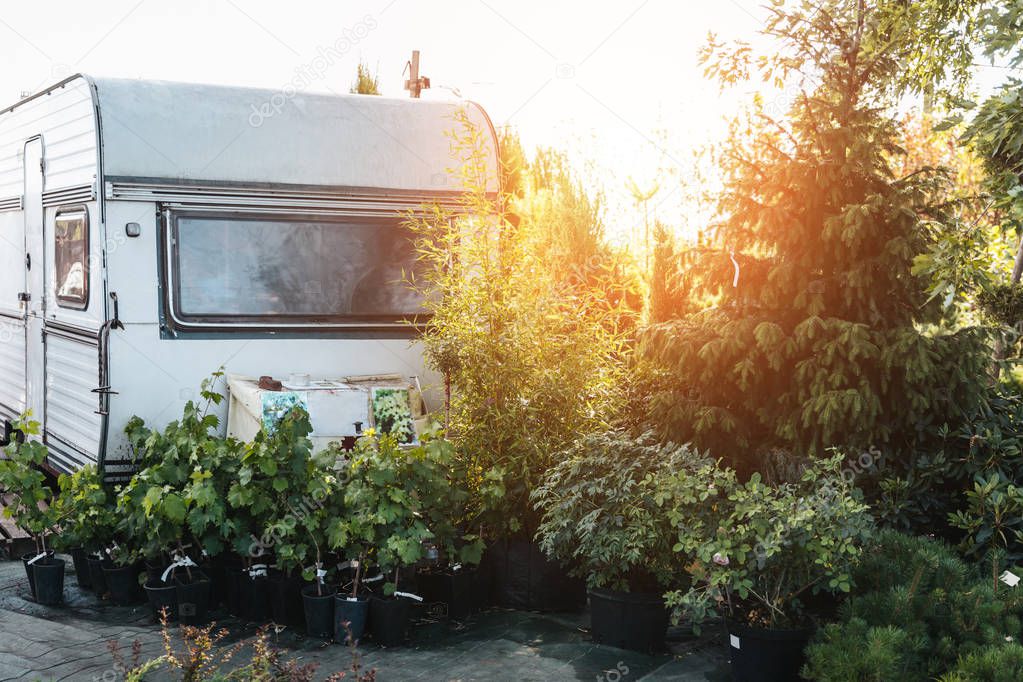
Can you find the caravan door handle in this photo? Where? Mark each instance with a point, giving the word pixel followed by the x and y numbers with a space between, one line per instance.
pixel 105 390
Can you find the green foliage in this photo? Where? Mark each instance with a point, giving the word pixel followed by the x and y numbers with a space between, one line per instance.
pixel 1003 303
pixel 756 550
pixel 603 513
pixel 86 508
pixel 961 483
pixel 528 334
pixel 29 500
pixel 917 609
pixel 818 342
pixel 389 498
pixel 391 413
pixel 990 664
pixel 178 496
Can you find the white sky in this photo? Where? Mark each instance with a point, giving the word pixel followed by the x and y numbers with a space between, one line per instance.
pixel 618 84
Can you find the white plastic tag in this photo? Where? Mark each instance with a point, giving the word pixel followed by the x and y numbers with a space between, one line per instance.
pixel 36 558
pixel 353 599
pixel 179 562
pixel 1009 578
pixel 456 568
pixel 348 564
pixel 373 579
pixel 409 595
pixel 257 570
pixel 321 573
pixel 734 641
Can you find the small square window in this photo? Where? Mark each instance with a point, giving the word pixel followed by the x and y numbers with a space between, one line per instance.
pixel 71 257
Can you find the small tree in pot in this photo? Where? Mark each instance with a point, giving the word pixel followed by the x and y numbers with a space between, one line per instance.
pixel 29 502
pixel 757 551
pixel 86 509
pixel 604 514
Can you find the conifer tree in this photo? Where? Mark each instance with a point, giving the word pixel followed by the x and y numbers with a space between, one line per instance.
pixel 816 338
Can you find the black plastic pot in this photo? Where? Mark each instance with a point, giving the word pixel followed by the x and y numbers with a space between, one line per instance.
pixel 628 620
pixel 254 595
pixel 454 589
pixel 25 558
pixel 389 619
pixel 760 655
pixel 319 611
pixel 525 579
pixel 78 559
pixel 351 610
pixel 233 578
pixel 123 583
pixel 285 593
pixel 155 569
pixel 162 595
pixel 96 575
pixel 482 587
pixel 194 596
pixel 49 580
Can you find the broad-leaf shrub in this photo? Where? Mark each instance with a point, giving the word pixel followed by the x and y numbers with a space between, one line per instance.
pixel 29 500
pixel 756 551
pixel 603 512
pixel 86 508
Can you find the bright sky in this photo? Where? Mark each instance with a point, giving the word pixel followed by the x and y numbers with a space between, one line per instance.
pixel 617 85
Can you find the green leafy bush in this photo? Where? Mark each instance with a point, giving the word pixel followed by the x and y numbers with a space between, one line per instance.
pixel 30 500
pixel 392 502
pixel 990 664
pixel 86 508
pixel 756 550
pixel 918 608
pixel 603 512
pixel 530 344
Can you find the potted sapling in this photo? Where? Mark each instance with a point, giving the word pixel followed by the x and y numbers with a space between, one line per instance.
pixel 29 502
pixel 385 488
pixel 450 575
pixel 85 512
pixel 757 551
pixel 604 515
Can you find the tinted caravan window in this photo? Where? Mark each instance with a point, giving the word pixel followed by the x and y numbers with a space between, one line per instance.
pixel 240 267
pixel 71 257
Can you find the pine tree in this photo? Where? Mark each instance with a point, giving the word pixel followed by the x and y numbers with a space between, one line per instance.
pixel 816 336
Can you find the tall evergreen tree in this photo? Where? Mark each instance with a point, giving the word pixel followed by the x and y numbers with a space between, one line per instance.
pixel 816 336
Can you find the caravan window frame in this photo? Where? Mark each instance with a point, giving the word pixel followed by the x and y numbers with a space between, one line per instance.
pixel 72 302
pixel 178 320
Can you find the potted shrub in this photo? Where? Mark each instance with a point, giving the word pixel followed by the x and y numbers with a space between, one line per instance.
pixel 85 509
pixel 176 503
pixel 384 506
pixel 603 514
pixel 757 551
pixel 30 504
pixel 452 576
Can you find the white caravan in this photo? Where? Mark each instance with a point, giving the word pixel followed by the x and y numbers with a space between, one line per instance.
pixel 152 232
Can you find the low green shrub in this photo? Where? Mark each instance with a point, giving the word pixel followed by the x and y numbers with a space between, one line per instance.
pixel 991 664
pixel 602 514
pixel 757 551
pixel 918 609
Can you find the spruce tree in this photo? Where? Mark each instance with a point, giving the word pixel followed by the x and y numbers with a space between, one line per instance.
pixel 817 336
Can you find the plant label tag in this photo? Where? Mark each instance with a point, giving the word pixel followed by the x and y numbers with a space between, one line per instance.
pixel 1009 578
pixel 734 641
pixel 408 595
pixel 36 558
pixel 353 599
pixel 456 567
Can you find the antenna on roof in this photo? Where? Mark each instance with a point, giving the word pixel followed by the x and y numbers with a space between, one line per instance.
pixel 415 83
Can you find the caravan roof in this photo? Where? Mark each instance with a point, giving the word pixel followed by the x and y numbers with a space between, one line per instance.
pixel 164 130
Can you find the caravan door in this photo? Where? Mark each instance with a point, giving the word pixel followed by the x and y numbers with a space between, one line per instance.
pixel 35 281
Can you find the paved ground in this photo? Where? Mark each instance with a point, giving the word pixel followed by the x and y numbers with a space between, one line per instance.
pixel 70 643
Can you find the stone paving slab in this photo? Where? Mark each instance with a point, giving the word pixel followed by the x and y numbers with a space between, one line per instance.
pixel 70 643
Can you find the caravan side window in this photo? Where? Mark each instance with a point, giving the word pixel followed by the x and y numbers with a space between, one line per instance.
pixel 71 257
pixel 230 269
